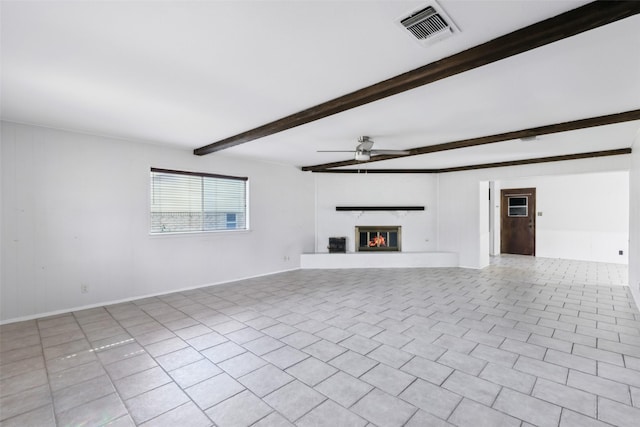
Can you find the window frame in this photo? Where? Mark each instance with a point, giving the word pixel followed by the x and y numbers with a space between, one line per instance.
pixel 202 175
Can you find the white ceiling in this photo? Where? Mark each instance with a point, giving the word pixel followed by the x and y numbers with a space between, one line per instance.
pixel 191 73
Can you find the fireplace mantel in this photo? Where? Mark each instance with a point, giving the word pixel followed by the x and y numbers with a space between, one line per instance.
pixel 379 208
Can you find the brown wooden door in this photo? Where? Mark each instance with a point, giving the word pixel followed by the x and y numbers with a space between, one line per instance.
pixel 518 221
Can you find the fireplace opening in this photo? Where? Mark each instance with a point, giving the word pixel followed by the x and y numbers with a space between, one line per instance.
pixel 378 238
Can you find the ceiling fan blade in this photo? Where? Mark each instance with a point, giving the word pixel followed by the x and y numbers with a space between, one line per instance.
pixel 390 152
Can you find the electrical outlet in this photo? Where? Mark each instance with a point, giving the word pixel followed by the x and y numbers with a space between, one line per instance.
pixel 84 288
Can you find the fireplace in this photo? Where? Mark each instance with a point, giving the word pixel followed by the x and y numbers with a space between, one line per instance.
pixel 378 238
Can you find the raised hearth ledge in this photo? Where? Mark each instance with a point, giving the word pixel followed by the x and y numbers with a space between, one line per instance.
pixel 379 260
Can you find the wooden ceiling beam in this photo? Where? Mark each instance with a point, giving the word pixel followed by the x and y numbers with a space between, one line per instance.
pixel 585 18
pixel 565 157
pixel 576 156
pixel 364 171
pixel 472 142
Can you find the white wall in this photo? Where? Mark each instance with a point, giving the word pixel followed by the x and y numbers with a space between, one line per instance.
pixel 419 228
pixel 634 223
pixel 75 210
pixel 459 206
pixel 584 217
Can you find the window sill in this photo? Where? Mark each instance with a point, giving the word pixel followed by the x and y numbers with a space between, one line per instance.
pixel 198 233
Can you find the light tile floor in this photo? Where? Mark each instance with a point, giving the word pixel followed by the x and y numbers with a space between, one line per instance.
pixel 526 341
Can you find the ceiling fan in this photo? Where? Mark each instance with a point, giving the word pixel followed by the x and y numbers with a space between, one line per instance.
pixel 363 151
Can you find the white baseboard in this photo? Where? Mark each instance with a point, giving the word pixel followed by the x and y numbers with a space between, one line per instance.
pixel 120 301
pixel 634 292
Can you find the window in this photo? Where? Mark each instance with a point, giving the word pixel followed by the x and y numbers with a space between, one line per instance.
pixel 518 206
pixel 184 202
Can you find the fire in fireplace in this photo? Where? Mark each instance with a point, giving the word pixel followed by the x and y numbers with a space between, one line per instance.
pixel 378 238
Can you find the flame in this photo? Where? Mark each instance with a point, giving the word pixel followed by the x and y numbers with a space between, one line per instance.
pixel 377 241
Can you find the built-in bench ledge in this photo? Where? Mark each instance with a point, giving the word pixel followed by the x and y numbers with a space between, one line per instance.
pixel 379 208
pixel 379 260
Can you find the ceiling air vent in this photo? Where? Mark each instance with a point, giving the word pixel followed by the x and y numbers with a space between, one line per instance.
pixel 428 24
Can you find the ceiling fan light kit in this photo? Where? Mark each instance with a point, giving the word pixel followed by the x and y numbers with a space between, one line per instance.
pixel 362 156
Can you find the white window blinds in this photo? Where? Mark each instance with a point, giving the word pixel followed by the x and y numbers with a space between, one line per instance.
pixel 190 201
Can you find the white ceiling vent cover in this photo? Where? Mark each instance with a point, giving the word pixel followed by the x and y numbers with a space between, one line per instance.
pixel 428 25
